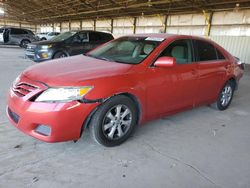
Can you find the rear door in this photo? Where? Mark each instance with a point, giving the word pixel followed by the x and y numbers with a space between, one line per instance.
pixel 16 35
pixel 174 88
pixel 212 70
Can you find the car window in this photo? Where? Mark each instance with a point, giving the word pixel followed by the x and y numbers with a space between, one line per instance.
pixel 63 36
pixel 130 50
pixel 106 36
pixel 93 37
pixel 15 31
pixel 181 50
pixel 220 55
pixel 84 36
pixel 80 37
pixel 205 51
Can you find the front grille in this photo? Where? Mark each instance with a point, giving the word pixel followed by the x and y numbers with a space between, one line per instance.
pixel 13 116
pixel 22 89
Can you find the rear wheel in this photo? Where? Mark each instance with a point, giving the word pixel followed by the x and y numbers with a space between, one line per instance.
pixel 24 43
pixel 114 121
pixel 225 97
pixel 59 55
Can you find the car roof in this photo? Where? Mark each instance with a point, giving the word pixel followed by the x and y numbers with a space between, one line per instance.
pixel 166 35
pixel 90 31
pixel 8 27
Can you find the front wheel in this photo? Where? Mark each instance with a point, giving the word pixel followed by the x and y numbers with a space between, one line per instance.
pixel 59 55
pixel 114 121
pixel 225 97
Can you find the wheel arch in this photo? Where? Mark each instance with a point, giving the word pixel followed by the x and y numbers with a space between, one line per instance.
pixel 129 95
pixel 60 50
pixel 24 39
pixel 234 81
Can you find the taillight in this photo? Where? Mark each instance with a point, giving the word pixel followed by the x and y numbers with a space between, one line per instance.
pixel 240 63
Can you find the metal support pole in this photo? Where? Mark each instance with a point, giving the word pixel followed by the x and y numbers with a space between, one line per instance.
pixel 208 20
pixel 112 25
pixel 94 25
pixel 80 24
pixel 134 25
pixel 69 25
pixel 165 23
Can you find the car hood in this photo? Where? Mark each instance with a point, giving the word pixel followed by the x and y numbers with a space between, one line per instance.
pixel 46 42
pixel 74 70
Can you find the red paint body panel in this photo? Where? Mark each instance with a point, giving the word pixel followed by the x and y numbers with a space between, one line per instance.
pixel 159 90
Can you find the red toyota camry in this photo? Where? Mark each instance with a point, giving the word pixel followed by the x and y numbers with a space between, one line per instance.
pixel 120 84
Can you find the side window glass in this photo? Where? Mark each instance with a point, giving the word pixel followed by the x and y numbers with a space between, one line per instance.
pixel 220 56
pixel 24 32
pixel 14 31
pixel 206 51
pixel 181 50
pixel 94 37
pixel 107 37
pixel 76 39
pixel 84 37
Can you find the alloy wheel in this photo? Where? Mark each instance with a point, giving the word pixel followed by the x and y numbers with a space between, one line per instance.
pixel 226 95
pixel 117 122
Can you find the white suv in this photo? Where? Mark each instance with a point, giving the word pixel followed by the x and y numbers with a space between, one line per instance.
pixel 47 36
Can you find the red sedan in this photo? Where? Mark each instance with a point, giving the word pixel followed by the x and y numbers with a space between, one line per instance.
pixel 120 84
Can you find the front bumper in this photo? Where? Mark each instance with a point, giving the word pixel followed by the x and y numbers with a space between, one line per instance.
pixel 39 55
pixel 65 120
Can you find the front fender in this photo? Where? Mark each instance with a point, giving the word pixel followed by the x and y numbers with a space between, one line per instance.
pixel 104 88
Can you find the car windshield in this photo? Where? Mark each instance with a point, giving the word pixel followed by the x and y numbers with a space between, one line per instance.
pixel 129 50
pixel 63 36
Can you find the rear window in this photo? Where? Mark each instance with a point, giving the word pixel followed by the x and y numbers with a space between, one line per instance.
pixel 205 51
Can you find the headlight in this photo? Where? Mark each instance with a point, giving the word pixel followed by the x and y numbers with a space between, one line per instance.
pixel 45 47
pixel 16 80
pixel 63 94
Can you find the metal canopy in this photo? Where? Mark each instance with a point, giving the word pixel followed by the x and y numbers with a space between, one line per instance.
pixel 48 11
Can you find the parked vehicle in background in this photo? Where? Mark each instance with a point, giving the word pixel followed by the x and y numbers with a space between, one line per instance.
pixel 120 84
pixel 47 36
pixel 66 44
pixel 16 36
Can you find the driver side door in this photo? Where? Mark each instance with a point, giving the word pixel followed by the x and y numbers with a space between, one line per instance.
pixel 78 43
pixel 171 89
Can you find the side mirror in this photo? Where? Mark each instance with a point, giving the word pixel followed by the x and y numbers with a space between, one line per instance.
pixel 165 62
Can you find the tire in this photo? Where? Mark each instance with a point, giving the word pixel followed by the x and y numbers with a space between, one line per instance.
pixel 110 128
pixel 59 55
pixel 225 97
pixel 43 39
pixel 24 43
